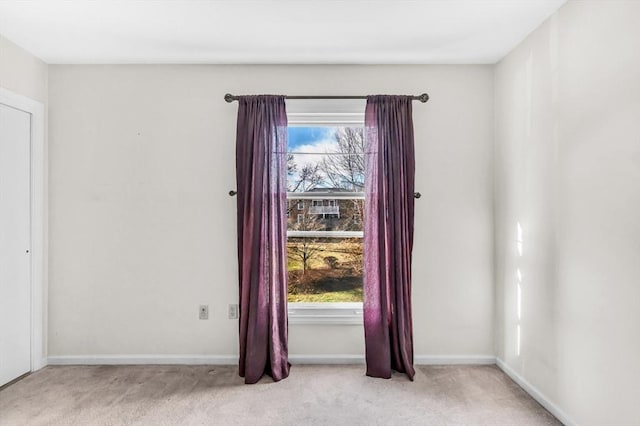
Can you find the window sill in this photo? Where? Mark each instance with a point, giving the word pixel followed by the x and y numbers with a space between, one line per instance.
pixel 325 313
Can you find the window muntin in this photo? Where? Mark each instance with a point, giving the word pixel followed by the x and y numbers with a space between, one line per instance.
pixel 325 168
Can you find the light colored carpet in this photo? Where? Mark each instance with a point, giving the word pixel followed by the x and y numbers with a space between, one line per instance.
pixel 312 395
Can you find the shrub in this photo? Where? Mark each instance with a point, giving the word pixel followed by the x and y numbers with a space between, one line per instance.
pixel 332 262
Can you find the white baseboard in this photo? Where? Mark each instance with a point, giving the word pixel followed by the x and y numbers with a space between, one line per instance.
pixel 418 359
pixel 233 359
pixel 454 359
pixel 326 359
pixel 38 364
pixel 535 393
pixel 192 359
pixel 143 359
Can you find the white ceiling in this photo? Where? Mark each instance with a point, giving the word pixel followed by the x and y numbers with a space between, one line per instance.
pixel 272 31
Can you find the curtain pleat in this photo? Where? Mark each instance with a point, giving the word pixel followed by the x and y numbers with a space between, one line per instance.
pixel 388 235
pixel 261 146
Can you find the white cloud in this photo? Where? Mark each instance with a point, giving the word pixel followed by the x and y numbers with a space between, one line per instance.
pixel 314 153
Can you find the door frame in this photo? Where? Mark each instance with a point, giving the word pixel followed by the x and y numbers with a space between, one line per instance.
pixel 37 220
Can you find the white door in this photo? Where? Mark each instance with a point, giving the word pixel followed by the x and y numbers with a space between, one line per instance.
pixel 15 266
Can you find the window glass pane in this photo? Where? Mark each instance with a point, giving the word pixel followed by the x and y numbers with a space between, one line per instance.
pixel 325 269
pixel 321 162
pixel 325 157
pixel 325 215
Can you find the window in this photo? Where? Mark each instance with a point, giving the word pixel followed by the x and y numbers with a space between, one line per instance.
pixel 325 165
pixel 300 205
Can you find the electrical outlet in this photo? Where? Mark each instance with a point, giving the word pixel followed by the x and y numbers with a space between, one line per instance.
pixel 204 312
pixel 233 311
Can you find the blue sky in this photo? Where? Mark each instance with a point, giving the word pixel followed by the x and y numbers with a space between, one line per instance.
pixel 301 136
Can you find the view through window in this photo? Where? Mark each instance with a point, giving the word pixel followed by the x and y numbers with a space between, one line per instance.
pixel 325 207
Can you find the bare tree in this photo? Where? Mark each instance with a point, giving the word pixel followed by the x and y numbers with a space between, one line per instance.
pixel 303 250
pixel 354 220
pixel 355 254
pixel 345 169
pixel 291 165
pixel 308 178
pixel 304 179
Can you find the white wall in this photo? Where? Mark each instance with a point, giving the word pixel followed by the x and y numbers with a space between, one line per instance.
pixel 22 72
pixel 142 230
pixel 567 161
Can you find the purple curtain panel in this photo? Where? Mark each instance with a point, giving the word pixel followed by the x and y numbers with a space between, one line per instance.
pixel 388 235
pixel 261 150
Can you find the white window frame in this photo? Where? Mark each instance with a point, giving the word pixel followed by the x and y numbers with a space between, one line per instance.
pixel 340 313
pixel 345 313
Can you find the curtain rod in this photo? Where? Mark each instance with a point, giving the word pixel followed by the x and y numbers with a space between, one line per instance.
pixel 422 98
pixel 233 193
